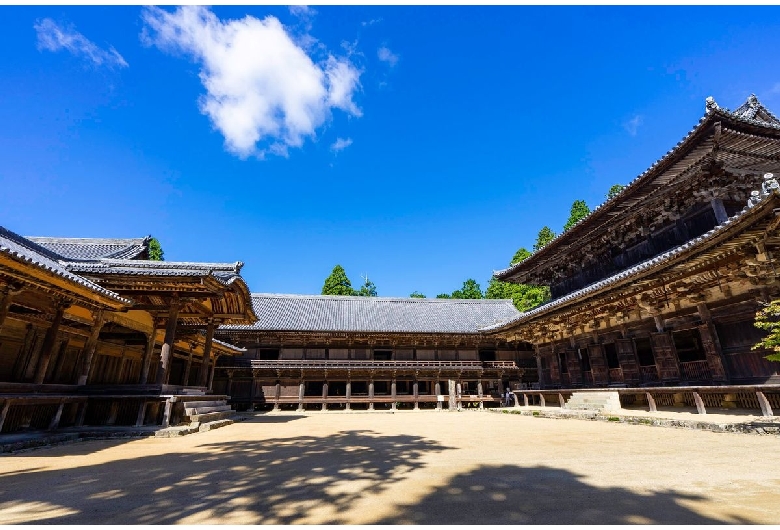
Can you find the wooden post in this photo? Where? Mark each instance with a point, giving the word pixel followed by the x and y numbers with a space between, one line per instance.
pixel 4 412
pixel 141 414
pixel 766 408
pixel 167 348
pixel 89 348
pixel 252 385
pixel 392 393
pixel 55 421
pixel 651 402
pixel 301 393
pixel 48 344
pixel 112 413
pixel 187 368
pixel 539 371
pixel 699 403
pixel 277 395
pixel 62 350
pixel 207 354
pixel 146 361
pixel 212 368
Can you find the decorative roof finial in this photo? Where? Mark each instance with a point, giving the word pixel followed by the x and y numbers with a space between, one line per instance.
pixel 769 185
pixel 752 100
pixel 710 104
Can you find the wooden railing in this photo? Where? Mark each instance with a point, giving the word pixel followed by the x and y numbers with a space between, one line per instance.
pixel 615 375
pixel 695 371
pixel 649 374
pixel 377 365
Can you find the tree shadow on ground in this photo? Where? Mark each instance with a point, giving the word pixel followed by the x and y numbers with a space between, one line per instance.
pixel 544 495
pixel 273 481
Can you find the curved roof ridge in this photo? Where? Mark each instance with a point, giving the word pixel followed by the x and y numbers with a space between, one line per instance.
pixel 380 298
pixel 711 109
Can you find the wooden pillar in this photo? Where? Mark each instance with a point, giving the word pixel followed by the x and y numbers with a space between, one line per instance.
pixel 720 211
pixel 112 413
pixel 277 395
pixel 301 393
pixel 188 367
pixel 212 368
pixel 349 393
pixel 437 391
pixel 324 395
pixel 62 351
pixel 392 393
pixel 252 391
pixel 229 386
pixel 4 412
pixel 139 421
pixel 371 394
pixel 711 345
pixel 89 348
pixel 479 393
pixel 207 354
pixel 167 348
pixel 48 344
pixel 539 371
pixel 146 360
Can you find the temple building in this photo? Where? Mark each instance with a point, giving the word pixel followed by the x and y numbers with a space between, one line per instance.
pixel 94 333
pixel 309 352
pixel 659 286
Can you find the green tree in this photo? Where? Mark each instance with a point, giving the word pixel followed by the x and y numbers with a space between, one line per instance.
pixel 417 294
pixel 768 319
pixel 443 295
pixel 519 256
pixel 579 210
pixel 614 190
pixel 155 250
pixel 367 289
pixel 469 291
pixel 545 236
pixel 338 283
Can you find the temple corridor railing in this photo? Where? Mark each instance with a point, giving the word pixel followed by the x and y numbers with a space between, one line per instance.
pixel 258 364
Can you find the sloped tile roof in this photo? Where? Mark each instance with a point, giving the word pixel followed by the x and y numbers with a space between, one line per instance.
pixel 23 249
pixel 226 273
pixel 70 248
pixel 655 262
pixel 289 312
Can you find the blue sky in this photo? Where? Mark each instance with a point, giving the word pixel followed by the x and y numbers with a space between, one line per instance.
pixel 419 145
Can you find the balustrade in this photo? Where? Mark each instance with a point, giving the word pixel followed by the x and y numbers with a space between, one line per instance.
pixel 695 371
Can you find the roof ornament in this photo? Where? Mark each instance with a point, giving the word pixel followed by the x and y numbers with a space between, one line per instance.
pixel 710 105
pixel 752 100
pixel 769 186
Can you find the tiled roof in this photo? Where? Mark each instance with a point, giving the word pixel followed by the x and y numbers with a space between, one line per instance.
pixel 70 248
pixel 288 312
pixel 23 249
pixel 752 112
pixel 226 273
pixel 656 262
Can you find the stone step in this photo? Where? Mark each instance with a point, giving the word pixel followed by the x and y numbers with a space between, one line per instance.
pixel 211 416
pixel 190 411
pixel 593 401
pixel 199 404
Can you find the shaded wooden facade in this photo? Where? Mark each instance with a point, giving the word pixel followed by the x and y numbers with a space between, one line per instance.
pixel 92 333
pixel 337 353
pixel 660 285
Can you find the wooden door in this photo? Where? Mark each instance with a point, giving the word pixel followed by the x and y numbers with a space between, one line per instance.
pixel 665 356
pixel 627 360
pixel 598 364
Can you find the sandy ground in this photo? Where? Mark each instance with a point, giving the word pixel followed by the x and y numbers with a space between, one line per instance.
pixel 409 467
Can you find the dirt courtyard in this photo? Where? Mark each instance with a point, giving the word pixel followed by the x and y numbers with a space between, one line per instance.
pixel 408 467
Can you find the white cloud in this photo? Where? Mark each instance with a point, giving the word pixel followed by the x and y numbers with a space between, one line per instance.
pixel 302 11
pixel 387 56
pixel 371 22
pixel 632 125
pixel 54 38
pixel 264 92
pixel 340 144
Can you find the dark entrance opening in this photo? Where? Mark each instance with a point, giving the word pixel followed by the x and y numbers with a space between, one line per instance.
pixel 268 355
pixel 610 351
pixel 584 359
pixel 487 355
pixel 644 351
pixel 562 361
pixel 383 355
pixel 687 342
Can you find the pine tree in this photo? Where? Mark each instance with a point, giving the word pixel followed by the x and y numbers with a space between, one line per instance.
pixel 519 256
pixel 338 283
pixel 579 210
pixel 367 289
pixel 545 236
pixel 614 190
pixel 155 250
pixel 417 294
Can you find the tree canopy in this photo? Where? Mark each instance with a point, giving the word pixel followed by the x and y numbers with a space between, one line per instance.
pixel 614 190
pixel 155 250
pixel 338 283
pixel 521 254
pixel 579 210
pixel 768 319
pixel 470 290
pixel 367 289
pixel 545 236
pixel 417 294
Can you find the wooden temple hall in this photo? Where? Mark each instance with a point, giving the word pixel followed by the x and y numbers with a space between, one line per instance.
pixel 94 333
pixel 310 352
pixel 659 286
